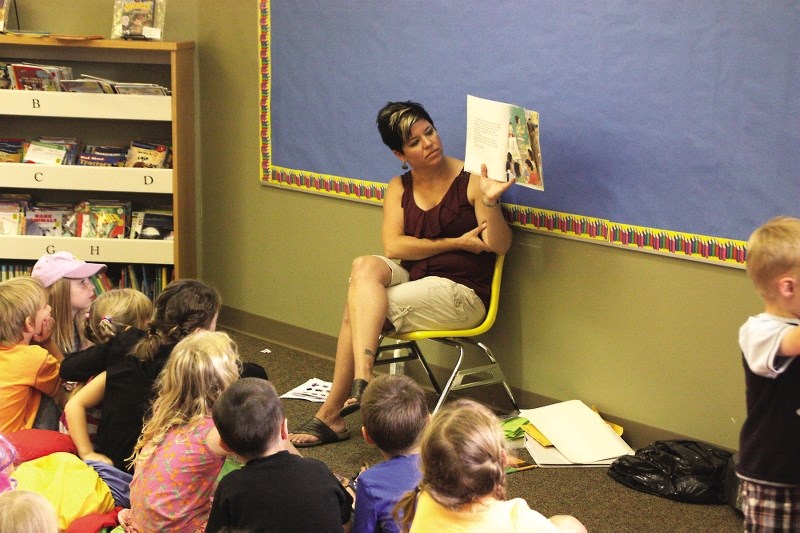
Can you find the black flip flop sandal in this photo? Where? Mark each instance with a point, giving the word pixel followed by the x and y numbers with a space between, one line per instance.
pixel 356 390
pixel 322 431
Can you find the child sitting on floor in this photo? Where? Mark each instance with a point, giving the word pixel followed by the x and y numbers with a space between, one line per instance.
pixel 70 292
pixel 115 323
pixel 126 388
pixel 463 479
pixel 394 413
pixel 31 394
pixel 23 511
pixel 178 456
pixel 276 490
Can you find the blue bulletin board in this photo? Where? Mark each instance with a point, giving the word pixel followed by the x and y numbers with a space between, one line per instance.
pixel 671 127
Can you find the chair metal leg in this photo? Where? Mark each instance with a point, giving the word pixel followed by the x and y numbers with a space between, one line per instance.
pixel 489 374
pixel 414 354
pixel 453 375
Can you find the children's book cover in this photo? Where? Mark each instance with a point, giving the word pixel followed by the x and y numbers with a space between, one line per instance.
pixel 4 5
pixel 46 222
pixel 138 19
pixel 25 77
pixel 147 155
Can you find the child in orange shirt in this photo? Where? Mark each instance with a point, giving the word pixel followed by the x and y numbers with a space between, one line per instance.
pixel 31 392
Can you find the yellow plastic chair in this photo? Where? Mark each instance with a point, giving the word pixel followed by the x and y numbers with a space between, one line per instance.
pixel 488 374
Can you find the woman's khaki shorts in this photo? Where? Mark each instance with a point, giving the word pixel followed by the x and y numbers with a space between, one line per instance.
pixel 430 303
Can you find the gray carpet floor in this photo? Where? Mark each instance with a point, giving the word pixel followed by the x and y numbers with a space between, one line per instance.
pixel 590 494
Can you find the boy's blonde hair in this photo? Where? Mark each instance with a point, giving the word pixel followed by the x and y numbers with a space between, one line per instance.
pixel 115 311
pixel 59 296
pixel 199 368
pixel 23 511
pixel 462 455
pixel 20 299
pixel 772 251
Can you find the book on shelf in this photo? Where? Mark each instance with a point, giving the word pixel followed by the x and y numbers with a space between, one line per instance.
pixel 5 79
pixel 152 224
pixel 12 220
pixel 505 138
pixel 94 84
pixel 11 150
pixel 4 8
pixel 72 145
pixel 44 153
pixel 83 86
pixel 143 154
pixel 12 213
pixel 31 77
pixel 105 84
pixel 97 160
pixel 148 279
pixel 138 19
pixel 102 219
pixel 47 220
pixel 141 88
pixel 131 280
pixel 14 270
pixel 103 156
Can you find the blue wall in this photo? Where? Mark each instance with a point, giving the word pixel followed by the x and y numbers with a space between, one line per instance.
pixel 677 115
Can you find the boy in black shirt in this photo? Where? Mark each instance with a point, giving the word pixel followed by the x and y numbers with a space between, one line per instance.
pixel 275 490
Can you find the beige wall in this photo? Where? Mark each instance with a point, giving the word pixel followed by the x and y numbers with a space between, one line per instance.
pixel 644 338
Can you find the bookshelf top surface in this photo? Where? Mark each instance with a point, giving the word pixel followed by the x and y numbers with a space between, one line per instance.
pixel 112 44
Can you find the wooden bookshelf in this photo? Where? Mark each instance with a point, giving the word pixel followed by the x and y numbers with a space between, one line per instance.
pixel 107 119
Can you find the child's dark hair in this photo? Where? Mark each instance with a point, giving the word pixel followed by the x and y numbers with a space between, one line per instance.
pixel 394 413
pixel 248 416
pixel 182 307
pixel 395 120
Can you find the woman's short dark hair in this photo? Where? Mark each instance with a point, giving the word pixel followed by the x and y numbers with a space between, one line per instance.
pixel 395 120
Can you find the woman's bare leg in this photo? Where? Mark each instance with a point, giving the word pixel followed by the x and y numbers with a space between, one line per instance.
pixel 345 364
pixel 340 388
pixel 367 304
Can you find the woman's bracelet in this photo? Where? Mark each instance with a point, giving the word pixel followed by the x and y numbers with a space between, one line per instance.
pixel 487 204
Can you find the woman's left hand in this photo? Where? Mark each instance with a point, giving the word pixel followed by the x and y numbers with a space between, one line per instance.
pixel 491 189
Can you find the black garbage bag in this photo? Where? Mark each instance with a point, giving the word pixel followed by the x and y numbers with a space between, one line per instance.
pixel 682 470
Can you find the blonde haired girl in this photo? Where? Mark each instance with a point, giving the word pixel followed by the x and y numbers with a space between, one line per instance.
pixel 183 307
pixel 111 314
pixel 23 511
pixel 463 479
pixel 178 456
pixel 116 322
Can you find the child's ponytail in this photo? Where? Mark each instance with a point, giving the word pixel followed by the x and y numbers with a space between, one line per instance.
pixel 183 307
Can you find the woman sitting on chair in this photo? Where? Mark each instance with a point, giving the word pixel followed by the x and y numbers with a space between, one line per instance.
pixel 445 226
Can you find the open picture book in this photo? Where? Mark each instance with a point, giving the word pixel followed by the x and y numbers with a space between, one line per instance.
pixel 505 138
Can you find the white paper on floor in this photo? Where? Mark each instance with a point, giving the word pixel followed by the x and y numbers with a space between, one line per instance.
pixel 313 390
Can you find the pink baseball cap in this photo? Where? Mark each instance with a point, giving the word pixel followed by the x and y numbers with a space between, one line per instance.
pixel 53 267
